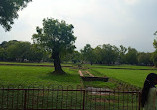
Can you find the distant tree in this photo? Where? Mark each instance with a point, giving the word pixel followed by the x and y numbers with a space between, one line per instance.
pixel 2 54
pixel 18 51
pixel 66 58
pixel 76 57
pixel 57 38
pixel 110 54
pixel 88 54
pixel 3 44
pixel 22 51
pixel 154 58
pixel 131 56
pixel 8 11
pixel 144 59
pixel 98 53
pixel 154 55
pixel 122 53
pixel 36 54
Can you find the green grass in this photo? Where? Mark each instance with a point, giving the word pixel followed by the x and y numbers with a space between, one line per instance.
pixel 24 75
pixel 99 84
pixel 39 76
pixel 133 77
pixel 120 66
pixel 128 74
pixel 43 63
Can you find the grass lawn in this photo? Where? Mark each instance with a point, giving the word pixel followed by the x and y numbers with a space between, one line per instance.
pixel 43 63
pixel 121 66
pixel 41 76
pixel 133 77
pixel 25 76
pixel 99 84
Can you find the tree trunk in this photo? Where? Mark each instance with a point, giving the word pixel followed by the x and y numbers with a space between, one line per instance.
pixel 57 65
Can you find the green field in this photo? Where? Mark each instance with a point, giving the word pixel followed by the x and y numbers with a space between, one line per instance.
pixel 39 76
pixel 121 66
pixel 26 75
pixel 38 64
pixel 133 75
pixel 30 75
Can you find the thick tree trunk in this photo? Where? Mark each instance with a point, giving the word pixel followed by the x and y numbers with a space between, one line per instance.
pixel 57 65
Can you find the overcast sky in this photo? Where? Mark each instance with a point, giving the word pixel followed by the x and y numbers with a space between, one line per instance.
pixel 96 22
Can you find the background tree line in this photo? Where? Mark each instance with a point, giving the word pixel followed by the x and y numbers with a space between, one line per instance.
pixel 110 55
pixel 25 51
pixel 20 51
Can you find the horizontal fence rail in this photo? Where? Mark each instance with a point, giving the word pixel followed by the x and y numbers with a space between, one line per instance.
pixel 68 98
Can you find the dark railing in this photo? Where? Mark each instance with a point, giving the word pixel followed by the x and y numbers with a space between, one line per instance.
pixel 68 98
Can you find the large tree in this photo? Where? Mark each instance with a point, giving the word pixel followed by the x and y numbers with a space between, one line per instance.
pixel 56 37
pixel 8 11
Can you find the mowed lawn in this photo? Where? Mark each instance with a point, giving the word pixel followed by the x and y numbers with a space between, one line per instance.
pixel 121 66
pixel 38 76
pixel 133 77
pixel 42 76
pixel 43 63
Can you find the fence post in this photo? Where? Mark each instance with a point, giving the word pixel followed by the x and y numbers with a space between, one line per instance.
pixel 84 99
pixel 25 99
pixel 139 105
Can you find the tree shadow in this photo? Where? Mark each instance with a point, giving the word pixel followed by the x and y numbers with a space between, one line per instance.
pixel 61 78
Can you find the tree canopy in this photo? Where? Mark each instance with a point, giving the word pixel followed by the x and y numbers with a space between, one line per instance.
pixel 56 37
pixel 20 51
pixel 88 54
pixel 8 11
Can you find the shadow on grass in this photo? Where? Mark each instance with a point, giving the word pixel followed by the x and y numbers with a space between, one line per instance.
pixel 61 78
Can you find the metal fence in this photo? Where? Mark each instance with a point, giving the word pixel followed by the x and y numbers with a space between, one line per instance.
pixel 68 98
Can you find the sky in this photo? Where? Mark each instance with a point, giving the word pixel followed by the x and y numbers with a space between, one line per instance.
pixel 96 22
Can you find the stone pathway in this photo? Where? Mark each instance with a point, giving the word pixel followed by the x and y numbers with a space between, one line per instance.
pixel 81 73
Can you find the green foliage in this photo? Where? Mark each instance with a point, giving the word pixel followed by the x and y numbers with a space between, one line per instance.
pixel 57 38
pixel 145 58
pixel 20 51
pixel 98 54
pixel 131 56
pixel 2 54
pixel 122 52
pixel 88 54
pixel 154 57
pixel 110 54
pixel 36 54
pixel 74 57
pixel 102 54
pixel 8 11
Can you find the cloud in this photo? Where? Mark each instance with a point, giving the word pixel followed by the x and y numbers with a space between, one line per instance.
pixel 131 1
pixel 95 22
